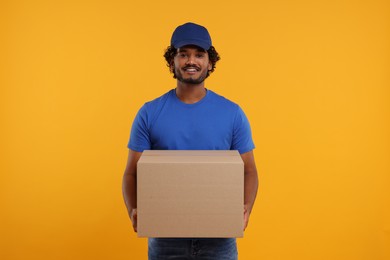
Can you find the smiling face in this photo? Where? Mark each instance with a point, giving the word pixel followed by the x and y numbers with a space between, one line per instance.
pixel 191 65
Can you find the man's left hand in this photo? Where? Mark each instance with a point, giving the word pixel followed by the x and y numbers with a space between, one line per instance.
pixel 246 217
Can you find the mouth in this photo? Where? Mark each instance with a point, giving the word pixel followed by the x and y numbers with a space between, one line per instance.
pixel 191 69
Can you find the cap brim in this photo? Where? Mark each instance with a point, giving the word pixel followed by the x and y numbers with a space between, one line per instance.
pixel 200 44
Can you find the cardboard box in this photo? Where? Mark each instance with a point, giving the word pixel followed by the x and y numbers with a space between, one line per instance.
pixel 190 194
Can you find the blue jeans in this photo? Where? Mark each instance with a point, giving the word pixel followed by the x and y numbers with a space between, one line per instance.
pixel 188 248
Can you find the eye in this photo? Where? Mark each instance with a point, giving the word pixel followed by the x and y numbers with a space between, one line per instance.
pixel 182 55
pixel 200 55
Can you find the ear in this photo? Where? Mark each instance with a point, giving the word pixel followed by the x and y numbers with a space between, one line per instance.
pixel 172 66
pixel 210 66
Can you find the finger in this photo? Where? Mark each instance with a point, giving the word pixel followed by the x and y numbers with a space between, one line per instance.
pixel 245 224
pixel 246 219
pixel 135 224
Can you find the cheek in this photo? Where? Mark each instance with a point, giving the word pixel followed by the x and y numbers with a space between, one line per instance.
pixel 174 65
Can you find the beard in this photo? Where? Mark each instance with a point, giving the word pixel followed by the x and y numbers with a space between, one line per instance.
pixel 194 81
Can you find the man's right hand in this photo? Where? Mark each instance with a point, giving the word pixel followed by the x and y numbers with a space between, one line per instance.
pixel 133 217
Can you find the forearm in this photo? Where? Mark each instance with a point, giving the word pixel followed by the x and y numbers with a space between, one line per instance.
pixel 129 189
pixel 129 186
pixel 250 180
pixel 250 189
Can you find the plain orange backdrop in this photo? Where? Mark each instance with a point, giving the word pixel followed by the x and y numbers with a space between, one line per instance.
pixel 312 77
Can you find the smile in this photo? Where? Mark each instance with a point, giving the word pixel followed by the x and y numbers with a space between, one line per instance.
pixel 191 69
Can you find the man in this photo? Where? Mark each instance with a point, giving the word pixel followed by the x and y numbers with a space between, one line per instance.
pixel 191 117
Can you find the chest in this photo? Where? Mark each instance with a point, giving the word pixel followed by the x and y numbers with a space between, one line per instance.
pixel 192 129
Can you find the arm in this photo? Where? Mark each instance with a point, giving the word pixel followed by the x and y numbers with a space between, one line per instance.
pixel 129 186
pixel 250 184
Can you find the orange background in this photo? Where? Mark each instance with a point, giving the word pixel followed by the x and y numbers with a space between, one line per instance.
pixel 312 77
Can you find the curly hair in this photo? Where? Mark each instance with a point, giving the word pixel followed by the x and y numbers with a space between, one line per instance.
pixel 171 52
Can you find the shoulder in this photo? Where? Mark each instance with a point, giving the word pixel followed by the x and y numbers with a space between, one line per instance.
pixel 157 102
pixel 151 109
pixel 223 101
pixel 228 106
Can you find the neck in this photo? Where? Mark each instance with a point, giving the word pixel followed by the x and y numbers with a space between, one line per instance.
pixel 189 93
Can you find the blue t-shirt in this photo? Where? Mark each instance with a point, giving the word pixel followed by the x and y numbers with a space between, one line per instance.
pixel 213 123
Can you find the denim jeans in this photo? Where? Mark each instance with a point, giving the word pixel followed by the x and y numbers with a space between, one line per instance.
pixel 188 248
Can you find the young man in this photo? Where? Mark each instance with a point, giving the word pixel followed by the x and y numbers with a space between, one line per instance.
pixel 191 117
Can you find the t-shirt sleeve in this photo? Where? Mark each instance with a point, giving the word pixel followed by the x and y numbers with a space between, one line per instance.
pixel 242 134
pixel 139 135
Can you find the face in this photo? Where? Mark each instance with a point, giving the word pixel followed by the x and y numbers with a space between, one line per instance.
pixel 191 65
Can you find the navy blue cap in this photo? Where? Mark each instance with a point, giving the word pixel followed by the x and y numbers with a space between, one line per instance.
pixel 191 34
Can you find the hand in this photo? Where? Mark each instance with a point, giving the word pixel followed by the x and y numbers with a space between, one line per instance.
pixel 133 217
pixel 246 217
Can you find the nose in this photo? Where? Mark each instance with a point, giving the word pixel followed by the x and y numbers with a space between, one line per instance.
pixel 190 60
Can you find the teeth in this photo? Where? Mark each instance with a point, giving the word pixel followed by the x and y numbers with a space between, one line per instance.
pixel 191 70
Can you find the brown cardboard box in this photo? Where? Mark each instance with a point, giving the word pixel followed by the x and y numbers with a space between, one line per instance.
pixel 190 194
